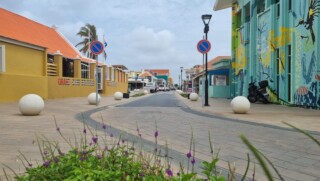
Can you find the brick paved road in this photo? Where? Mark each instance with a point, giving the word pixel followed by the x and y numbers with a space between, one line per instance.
pixel 294 155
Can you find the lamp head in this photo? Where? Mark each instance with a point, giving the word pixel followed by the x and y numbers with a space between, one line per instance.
pixel 206 18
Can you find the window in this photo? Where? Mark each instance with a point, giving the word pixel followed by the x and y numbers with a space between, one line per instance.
pixel 290 5
pixel 112 74
pixel 247 12
pixel 289 73
pixel 2 59
pixel 67 67
pixel 278 71
pixel 261 6
pixel 85 70
pixel 277 8
pixel 50 58
pixel 108 73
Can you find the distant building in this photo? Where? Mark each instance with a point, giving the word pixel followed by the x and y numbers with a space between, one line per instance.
pixel 163 76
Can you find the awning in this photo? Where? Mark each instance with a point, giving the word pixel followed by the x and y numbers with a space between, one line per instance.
pixel 223 4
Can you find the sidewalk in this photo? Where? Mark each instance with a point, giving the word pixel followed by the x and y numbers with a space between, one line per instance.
pixel 17 132
pixel 270 114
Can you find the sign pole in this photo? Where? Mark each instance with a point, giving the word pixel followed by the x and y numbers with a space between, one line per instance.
pixel 96 48
pixel 97 63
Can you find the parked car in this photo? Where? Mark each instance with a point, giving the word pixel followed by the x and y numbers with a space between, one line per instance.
pixel 151 86
pixel 162 87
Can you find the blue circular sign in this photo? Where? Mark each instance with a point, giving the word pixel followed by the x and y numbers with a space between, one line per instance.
pixel 96 47
pixel 203 46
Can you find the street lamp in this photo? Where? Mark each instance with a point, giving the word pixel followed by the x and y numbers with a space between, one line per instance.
pixel 206 20
pixel 181 68
pixel 179 82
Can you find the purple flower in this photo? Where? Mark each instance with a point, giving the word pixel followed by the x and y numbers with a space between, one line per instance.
pixel 56 159
pixel 47 163
pixel 122 141
pixel 189 154
pixel 105 148
pixel 104 126
pixel 81 158
pixel 95 140
pixel 99 157
pixel 193 161
pixel 169 172
pixel 84 152
pixel 156 134
pixel 111 135
pixel 84 131
pixel 141 174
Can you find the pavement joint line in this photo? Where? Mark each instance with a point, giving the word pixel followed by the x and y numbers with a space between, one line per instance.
pixel 147 144
pixel 189 109
pixel 199 113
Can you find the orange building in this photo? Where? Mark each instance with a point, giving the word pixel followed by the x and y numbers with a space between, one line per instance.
pixel 35 58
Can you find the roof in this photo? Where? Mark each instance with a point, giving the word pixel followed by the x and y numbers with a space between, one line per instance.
pixel 122 67
pixel 223 4
pixel 145 74
pixel 160 71
pixel 216 59
pixel 28 31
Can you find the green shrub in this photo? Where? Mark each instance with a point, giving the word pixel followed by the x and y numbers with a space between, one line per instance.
pixel 138 95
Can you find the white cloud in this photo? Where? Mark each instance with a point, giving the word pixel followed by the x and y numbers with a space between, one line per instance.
pixel 140 34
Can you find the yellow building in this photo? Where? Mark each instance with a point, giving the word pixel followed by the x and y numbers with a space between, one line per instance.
pixel 37 59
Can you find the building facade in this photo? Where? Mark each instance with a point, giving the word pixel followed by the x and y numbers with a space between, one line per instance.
pixel 278 41
pixel 219 80
pixel 38 59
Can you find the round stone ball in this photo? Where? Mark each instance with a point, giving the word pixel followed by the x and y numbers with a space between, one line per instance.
pixel 92 98
pixel 31 105
pixel 118 96
pixel 145 91
pixel 194 96
pixel 240 105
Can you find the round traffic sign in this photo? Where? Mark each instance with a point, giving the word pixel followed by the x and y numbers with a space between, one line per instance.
pixel 96 47
pixel 203 46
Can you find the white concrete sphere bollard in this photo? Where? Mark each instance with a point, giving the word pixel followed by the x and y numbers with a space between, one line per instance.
pixel 92 98
pixel 193 96
pixel 240 105
pixel 118 96
pixel 145 91
pixel 179 91
pixel 31 105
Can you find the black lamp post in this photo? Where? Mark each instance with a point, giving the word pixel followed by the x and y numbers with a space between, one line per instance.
pixel 206 20
pixel 181 68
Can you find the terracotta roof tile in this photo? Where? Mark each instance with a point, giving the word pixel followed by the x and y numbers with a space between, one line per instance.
pixel 19 28
pixel 145 74
pixel 160 71
pixel 214 60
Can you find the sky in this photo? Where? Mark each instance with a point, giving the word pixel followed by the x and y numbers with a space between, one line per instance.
pixel 141 34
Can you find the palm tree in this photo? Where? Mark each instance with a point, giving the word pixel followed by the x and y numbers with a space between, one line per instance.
pixel 85 43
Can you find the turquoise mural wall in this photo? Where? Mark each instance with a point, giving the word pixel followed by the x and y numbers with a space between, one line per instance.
pixel 278 42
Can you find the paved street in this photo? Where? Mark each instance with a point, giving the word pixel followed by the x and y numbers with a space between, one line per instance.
pixel 295 156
